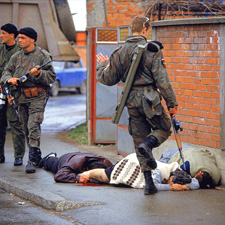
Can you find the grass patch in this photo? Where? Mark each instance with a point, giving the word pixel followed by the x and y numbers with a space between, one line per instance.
pixel 79 134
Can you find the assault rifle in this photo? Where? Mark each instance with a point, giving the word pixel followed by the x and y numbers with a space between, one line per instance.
pixel 22 79
pixel 25 77
pixel 10 98
pixel 128 83
pixel 176 127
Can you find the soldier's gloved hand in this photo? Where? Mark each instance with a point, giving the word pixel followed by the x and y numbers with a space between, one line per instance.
pixel 35 71
pixel 173 111
pixel 13 81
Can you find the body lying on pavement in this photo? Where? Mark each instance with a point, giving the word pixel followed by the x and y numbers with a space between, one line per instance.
pixel 128 172
pixel 67 167
pixel 199 162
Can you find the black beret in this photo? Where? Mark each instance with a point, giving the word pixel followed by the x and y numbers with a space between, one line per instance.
pixel 10 28
pixel 30 32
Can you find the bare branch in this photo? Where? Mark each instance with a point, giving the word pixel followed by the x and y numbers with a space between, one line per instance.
pixel 197 7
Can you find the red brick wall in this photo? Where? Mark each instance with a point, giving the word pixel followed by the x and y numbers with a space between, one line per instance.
pixel 119 12
pixel 192 57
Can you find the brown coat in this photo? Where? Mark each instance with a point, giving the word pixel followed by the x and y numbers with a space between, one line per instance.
pixel 76 163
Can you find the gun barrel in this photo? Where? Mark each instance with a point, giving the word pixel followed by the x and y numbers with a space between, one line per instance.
pixel 15 109
pixel 24 77
pixel 182 157
pixel 44 64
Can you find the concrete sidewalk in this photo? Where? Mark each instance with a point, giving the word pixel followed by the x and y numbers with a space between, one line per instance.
pixel 37 187
pixel 105 204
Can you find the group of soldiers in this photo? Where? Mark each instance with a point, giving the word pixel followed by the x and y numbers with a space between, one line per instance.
pixel 149 124
pixel 27 94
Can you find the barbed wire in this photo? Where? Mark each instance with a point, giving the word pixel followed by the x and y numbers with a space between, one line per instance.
pixel 164 8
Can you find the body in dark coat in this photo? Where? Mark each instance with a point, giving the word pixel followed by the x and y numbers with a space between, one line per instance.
pixel 68 166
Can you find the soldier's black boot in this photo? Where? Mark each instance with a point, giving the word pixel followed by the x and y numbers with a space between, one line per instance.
pixel 30 168
pixel 149 188
pixel 145 149
pixel 34 159
pixel 37 157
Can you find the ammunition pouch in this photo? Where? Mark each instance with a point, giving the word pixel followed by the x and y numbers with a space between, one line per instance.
pixel 152 102
pixel 33 91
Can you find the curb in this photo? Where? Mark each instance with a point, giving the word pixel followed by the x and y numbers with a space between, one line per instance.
pixel 40 197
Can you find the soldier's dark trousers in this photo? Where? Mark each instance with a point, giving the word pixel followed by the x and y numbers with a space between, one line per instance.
pixel 18 136
pixel 3 127
pixel 31 117
pixel 140 127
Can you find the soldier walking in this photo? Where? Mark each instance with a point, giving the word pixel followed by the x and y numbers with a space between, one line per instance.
pixel 149 124
pixel 8 47
pixel 32 94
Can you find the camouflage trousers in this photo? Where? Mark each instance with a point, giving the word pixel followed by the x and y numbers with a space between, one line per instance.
pixel 31 112
pixel 140 127
pixel 18 136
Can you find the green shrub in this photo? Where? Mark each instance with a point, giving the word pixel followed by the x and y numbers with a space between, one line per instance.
pixel 79 134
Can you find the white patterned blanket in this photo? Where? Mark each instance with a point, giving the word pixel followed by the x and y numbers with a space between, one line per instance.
pixel 128 172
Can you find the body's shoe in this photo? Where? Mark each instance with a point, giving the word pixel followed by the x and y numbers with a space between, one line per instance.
pixel 41 163
pixel 2 158
pixel 30 168
pixel 149 188
pixel 18 162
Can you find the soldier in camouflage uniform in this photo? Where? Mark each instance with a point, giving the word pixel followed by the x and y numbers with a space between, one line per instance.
pixel 8 47
pixel 149 124
pixel 32 94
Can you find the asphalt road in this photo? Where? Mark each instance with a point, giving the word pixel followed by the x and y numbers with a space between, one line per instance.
pixel 64 112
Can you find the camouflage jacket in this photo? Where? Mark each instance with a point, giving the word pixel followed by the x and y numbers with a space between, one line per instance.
pixel 5 54
pixel 151 70
pixel 22 62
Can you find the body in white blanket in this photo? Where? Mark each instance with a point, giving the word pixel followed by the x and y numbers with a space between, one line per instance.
pixel 128 172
